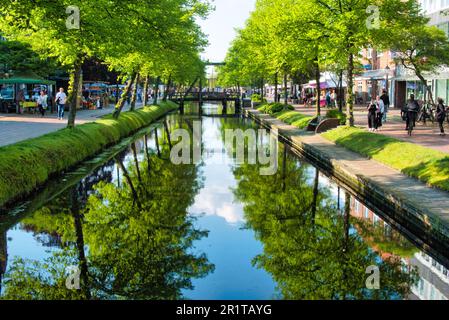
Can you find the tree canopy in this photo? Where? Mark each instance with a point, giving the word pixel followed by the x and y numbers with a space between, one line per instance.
pixel 159 38
pixel 287 37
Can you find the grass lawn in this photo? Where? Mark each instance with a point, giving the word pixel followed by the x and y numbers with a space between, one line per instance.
pixel 294 118
pixel 27 164
pixel 428 165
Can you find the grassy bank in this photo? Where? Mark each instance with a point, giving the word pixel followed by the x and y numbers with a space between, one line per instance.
pixel 428 165
pixel 286 114
pixel 294 118
pixel 27 164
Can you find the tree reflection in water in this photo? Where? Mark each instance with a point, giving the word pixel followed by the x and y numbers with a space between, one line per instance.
pixel 310 247
pixel 131 240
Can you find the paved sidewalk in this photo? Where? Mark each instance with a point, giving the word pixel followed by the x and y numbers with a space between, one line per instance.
pixel 18 127
pixel 432 204
pixel 427 136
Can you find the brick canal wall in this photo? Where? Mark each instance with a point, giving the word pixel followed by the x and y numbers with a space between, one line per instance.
pixel 419 211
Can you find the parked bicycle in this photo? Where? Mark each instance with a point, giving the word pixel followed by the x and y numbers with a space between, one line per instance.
pixel 427 112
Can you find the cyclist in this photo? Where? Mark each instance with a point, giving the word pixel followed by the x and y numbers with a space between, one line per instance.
pixel 441 115
pixel 412 110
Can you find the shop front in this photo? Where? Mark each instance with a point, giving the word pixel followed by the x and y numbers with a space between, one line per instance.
pixel 372 83
pixel 19 93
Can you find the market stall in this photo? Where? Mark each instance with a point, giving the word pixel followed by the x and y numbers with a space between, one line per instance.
pixel 19 92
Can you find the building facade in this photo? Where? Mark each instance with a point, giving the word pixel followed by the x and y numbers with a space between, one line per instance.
pixel 376 75
pixel 406 82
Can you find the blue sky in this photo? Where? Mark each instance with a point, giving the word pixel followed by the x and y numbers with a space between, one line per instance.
pixel 221 23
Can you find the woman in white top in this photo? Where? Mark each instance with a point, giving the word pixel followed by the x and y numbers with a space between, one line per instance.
pixel 380 111
pixel 42 102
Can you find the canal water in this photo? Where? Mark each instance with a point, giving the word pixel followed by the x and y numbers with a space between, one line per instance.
pixel 139 226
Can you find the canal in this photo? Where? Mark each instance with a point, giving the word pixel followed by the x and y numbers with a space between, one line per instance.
pixel 134 225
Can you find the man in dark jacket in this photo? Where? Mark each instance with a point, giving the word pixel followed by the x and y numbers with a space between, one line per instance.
pixel 441 115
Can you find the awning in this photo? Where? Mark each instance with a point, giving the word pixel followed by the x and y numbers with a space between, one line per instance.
pixel 324 85
pixel 26 79
pixel 379 74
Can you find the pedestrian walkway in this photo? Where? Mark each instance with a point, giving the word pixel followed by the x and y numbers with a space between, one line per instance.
pixel 429 205
pixel 425 135
pixel 17 127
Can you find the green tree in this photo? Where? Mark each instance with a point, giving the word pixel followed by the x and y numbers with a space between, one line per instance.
pixel 20 58
pixel 138 239
pixel 309 248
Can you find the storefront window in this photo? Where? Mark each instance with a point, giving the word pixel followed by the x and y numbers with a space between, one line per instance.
pixel 420 91
pixel 411 88
pixel 442 89
pixel 7 92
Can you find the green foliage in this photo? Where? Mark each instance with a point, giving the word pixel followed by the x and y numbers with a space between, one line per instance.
pixel 257 98
pixel 26 281
pixel 287 114
pixel 425 164
pixel 20 58
pixel 26 165
pixel 337 114
pixel 307 246
pixel 160 39
pixel 295 119
pixel 274 108
pixel 138 242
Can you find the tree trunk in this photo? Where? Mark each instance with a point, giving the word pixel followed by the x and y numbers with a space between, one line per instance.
pixel 276 98
pixel 145 90
pixel 167 89
pixel 121 103
pixel 285 90
pixel 3 255
pixel 84 276
pixel 346 241
pixel 134 96
pixel 136 162
pixel 350 96
pixel 156 92
pixel 428 88
pixel 156 138
pixel 340 92
pixel 284 169
pixel 374 86
pixel 76 82
pixel 167 132
pixel 200 94
pixel 129 181
pixel 318 88
pixel 190 88
pixel 147 153
pixel 315 195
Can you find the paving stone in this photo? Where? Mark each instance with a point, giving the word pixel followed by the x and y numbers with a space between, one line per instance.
pixel 431 200
pixel 15 127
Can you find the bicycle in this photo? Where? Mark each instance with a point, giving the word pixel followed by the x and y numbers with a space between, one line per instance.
pixel 427 112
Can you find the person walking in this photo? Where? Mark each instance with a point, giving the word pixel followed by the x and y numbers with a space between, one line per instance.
pixel 372 116
pixel 441 115
pixel 380 111
pixel 61 100
pixel 328 99
pixel 42 103
pixel 386 100
pixel 334 99
pixel 411 110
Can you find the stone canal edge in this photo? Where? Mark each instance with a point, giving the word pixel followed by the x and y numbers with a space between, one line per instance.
pixel 418 210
